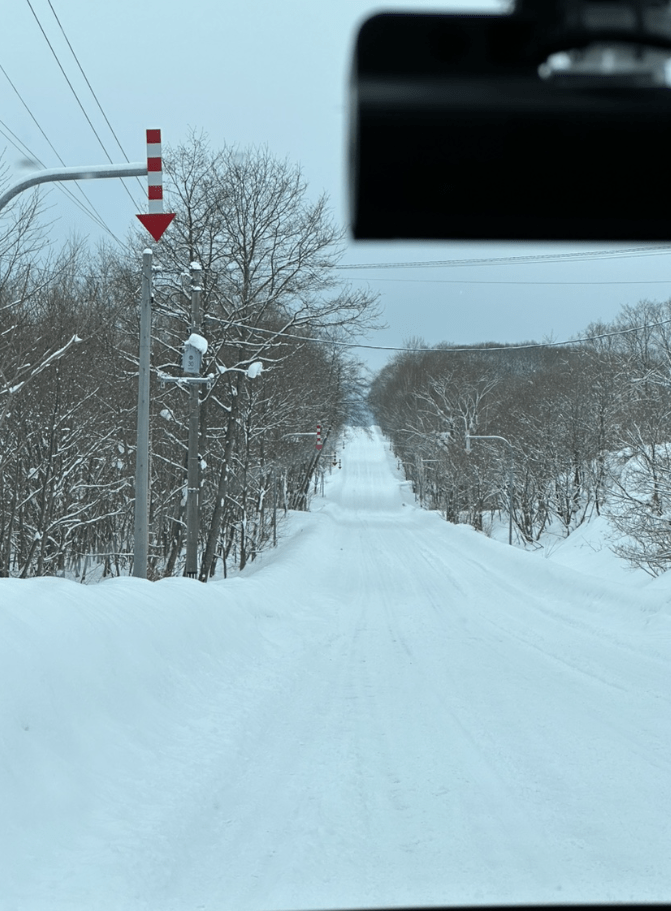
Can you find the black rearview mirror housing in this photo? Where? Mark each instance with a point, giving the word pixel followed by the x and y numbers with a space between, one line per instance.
pixel 525 126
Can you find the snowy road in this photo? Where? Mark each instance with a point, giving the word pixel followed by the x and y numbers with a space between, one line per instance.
pixel 427 717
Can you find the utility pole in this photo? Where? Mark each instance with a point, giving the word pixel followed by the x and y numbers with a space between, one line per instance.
pixel 193 465
pixel 274 509
pixel 141 539
pixel 155 222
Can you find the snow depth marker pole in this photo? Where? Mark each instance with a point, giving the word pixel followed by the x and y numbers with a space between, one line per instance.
pixel 154 171
pixel 156 221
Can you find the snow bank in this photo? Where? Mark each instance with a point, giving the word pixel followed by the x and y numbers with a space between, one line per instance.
pixel 104 686
pixel 386 709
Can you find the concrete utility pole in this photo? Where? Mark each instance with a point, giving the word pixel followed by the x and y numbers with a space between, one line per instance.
pixel 141 540
pixel 193 465
pixel 511 463
pixel 274 509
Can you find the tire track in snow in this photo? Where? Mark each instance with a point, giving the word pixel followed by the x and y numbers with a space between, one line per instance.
pixel 418 745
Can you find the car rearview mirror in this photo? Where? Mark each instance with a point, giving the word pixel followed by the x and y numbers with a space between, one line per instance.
pixel 549 123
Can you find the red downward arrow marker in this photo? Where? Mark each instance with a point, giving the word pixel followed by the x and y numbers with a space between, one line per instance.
pixel 156 222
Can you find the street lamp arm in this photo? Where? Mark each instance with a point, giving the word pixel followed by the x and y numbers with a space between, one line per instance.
pixel 511 462
pixel 83 172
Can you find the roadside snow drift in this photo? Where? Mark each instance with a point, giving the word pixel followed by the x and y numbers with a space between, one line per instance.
pixel 384 710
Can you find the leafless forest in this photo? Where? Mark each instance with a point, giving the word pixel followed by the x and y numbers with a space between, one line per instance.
pixel 69 326
pixel 585 426
pixel 586 430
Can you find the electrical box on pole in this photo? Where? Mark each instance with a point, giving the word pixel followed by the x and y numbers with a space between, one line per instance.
pixel 191 359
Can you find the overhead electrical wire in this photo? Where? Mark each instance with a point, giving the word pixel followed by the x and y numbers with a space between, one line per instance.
pixel 98 217
pixel 530 259
pixel 452 350
pixel 477 281
pixel 100 107
pixel 21 147
pixel 32 116
pixel 72 89
pixel 92 213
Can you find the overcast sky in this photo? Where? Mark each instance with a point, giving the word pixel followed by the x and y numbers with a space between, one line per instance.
pixel 274 72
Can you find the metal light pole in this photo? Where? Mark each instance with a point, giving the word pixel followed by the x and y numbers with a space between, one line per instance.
pixel 422 463
pixel 511 462
pixel 193 465
pixel 141 539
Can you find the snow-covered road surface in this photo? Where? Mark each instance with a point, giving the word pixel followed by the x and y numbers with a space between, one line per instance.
pixel 385 710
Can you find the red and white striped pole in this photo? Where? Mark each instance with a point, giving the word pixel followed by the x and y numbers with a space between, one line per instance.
pixel 319 436
pixel 157 220
pixel 154 171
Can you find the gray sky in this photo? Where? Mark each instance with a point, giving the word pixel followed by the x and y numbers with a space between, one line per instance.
pixel 274 72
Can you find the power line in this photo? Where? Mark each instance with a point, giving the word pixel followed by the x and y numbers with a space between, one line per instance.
pixel 34 119
pixel 477 281
pixel 81 69
pixel 529 259
pixel 452 350
pixel 65 76
pixel 91 213
pixel 72 89
pixel 98 216
pixel 17 143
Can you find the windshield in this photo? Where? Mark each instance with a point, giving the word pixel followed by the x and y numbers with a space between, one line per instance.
pixel 332 572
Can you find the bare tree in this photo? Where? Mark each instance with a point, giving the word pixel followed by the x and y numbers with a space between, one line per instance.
pixel 269 287
pixel 25 270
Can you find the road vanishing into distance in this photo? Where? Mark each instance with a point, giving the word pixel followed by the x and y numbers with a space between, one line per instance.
pixel 419 715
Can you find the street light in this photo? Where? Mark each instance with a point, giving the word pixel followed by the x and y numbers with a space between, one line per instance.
pixel 421 480
pixel 85 172
pixel 511 462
